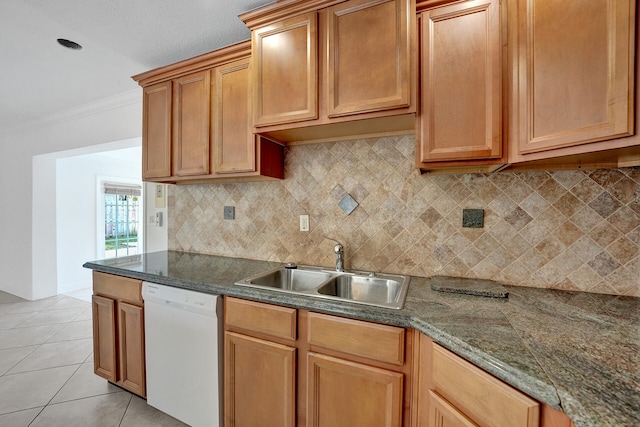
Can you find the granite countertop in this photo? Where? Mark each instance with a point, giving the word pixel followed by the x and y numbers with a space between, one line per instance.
pixel 578 352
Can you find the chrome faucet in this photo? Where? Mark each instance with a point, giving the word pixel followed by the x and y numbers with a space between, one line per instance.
pixel 339 250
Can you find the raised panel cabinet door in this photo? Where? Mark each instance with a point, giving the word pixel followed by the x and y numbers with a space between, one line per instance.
pixel 191 105
pixel 368 64
pixel 348 394
pixel 104 337
pixel 259 382
pixel 575 72
pixel 156 131
pixel 131 348
pixel 233 142
pixel 460 116
pixel 443 414
pixel 285 71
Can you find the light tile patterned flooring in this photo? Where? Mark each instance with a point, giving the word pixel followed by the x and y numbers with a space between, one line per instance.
pixel 46 370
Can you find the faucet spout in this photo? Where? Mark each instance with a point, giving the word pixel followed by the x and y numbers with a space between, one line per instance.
pixel 339 251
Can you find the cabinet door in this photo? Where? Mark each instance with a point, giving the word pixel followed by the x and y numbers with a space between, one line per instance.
pixel 285 71
pixel 232 135
pixel 191 103
pixel 460 117
pixel 259 381
pixel 343 393
pixel 575 65
pixel 104 337
pixel 443 414
pixel 368 67
pixel 156 131
pixel 131 348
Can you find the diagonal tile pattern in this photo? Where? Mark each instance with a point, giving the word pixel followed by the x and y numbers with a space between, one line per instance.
pixel 572 230
pixel 46 370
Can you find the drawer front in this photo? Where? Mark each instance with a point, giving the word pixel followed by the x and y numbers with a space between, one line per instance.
pixel 480 396
pixel 117 287
pixel 275 321
pixel 358 338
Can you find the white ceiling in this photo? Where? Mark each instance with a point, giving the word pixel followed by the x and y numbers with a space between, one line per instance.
pixel 120 38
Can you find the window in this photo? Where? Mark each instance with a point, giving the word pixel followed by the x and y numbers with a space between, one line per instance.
pixel 121 219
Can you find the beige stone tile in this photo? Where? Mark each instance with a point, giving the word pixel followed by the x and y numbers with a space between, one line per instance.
pixel 99 411
pixel 19 418
pixel 55 355
pixel 32 389
pixel 12 356
pixel 84 383
pixel 11 320
pixel 6 298
pixel 22 337
pixel 50 317
pixel 140 414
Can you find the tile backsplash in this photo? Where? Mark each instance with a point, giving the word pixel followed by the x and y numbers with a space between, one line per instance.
pixel 572 230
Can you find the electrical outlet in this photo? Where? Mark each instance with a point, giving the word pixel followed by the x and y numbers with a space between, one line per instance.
pixel 304 222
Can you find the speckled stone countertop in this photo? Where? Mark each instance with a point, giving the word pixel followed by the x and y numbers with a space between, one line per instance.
pixel 574 351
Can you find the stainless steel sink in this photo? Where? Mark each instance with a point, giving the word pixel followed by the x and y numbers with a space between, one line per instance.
pixel 372 290
pixel 289 279
pixel 382 290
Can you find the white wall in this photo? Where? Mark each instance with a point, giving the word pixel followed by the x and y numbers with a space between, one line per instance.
pixel 155 237
pixel 79 200
pixel 28 245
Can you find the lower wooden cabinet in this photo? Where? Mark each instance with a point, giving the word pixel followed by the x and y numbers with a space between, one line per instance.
pixel 344 393
pixel 293 367
pixel 451 392
pixel 259 380
pixel 444 414
pixel 118 331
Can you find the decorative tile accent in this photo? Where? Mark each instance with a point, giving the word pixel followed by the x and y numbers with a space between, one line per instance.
pixel 348 204
pixel 570 230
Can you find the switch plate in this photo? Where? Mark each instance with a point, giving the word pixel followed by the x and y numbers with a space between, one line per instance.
pixel 229 212
pixel 304 222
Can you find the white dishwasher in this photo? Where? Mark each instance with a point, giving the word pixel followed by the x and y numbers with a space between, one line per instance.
pixel 183 340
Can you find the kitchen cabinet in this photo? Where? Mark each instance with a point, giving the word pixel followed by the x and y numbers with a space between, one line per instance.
pixel 453 392
pixel 295 367
pixel 285 72
pixel 118 331
pixel 156 131
pixel 459 123
pixel 328 69
pixel 196 122
pixel 572 79
pixel 191 104
pixel 233 143
pixel 259 364
pixel 356 373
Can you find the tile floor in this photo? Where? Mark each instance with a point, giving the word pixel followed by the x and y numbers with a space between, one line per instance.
pixel 46 369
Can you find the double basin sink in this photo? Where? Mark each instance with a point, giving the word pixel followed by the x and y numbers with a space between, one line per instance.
pixel 381 290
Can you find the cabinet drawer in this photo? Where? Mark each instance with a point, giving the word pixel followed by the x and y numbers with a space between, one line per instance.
pixel 279 322
pixel 364 339
pixel 480 396
pixel 117 287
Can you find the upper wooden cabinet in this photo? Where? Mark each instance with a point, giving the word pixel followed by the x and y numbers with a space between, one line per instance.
pixel 232 140
pixel 321 65
pixel 572 76
pixel 156 127
pixel 460 119
pixel 285 71
pixel 191 124
pixel 197 121
pixel 369 57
